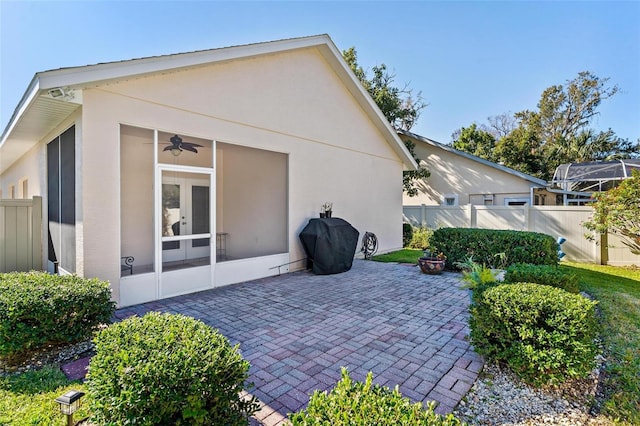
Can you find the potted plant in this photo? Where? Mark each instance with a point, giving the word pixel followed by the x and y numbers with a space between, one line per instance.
pixel 430 264
pixel 326 209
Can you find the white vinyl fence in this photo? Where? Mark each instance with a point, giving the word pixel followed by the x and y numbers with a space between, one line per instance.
pixel 565 221
pixel 20 235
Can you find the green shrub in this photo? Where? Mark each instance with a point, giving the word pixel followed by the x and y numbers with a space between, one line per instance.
pixel 544 334
pixel 474 274
pixel 542 274
pixel 37 309
pixel 407 234
pixel 421 238
pixel 167 369
pixel 483 244
pixel 357 404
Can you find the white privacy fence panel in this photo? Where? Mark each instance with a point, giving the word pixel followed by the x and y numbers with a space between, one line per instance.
pixel 565 221
pixel 619 254
pixel 501 217
pixel 20 235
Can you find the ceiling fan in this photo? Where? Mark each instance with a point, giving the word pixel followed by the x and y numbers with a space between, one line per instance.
pixel 177 146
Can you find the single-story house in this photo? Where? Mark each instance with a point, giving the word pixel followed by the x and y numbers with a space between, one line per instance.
pixel 459 178
pixel 172 174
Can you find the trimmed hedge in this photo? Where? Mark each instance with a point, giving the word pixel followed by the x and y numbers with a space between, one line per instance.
pixel 542 274
pixel 407 234
pixel 358 404
pixel 459 244
pixel 37 309
pixel 167 369
pixel 544 334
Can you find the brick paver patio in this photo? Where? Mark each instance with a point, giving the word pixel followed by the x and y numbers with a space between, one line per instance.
pixel 297 330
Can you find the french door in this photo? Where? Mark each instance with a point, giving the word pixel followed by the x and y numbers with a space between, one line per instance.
pixel 186 231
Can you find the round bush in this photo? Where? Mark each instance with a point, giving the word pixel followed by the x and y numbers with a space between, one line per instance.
pixel 544 334
pixel 37 309
pixel 361 404
pixel 167 369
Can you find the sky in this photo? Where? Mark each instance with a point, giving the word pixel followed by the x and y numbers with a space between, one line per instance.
pixel 469 60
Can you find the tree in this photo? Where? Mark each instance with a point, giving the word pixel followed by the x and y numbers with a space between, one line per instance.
pixel 567 110
pixel 617 211
pixel 399 105
pixel 500 126
pixel 520 150
pixel 537 142
pixel 475 141
pixel 591 146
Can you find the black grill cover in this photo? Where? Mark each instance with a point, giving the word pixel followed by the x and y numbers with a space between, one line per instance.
pixel 330 245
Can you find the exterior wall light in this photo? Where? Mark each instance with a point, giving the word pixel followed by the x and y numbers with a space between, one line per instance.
pixel 69 404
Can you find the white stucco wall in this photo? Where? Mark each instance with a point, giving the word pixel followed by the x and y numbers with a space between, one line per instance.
pixel 291 103
pixel 454 174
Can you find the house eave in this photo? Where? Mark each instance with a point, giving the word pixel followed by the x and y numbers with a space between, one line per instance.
pixel 18 137
pixel 36 115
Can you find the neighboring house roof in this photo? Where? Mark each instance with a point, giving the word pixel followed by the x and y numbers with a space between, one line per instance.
pixel 472 157
pixel 53 95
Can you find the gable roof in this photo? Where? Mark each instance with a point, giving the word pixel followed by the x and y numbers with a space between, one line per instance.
pixel 53 95
pixel 472 157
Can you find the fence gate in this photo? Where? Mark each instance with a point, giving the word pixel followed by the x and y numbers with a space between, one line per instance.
pixel 21 235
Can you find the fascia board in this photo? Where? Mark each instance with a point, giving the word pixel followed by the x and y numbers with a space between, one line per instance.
pixel 31 93
pixel 90 74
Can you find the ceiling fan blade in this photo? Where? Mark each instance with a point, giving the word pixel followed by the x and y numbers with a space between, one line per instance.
pixel 192 144
pixel 189 148
pixel 169 148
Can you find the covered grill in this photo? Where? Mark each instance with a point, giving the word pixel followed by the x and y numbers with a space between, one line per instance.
pixel 330 245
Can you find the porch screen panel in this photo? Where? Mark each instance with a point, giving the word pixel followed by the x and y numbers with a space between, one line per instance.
pixel 61 207
pixel 68 199
pixel 53 198
pixel 136 199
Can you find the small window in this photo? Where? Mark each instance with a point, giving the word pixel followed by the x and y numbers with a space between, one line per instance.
pixel 450 200
pixel 516 201
pixel 487 199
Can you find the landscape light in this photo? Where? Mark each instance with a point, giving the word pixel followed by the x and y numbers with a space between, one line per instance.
pixel 69 404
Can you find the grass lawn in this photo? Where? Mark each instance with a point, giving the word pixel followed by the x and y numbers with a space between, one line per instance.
pixel 28 399
pixel 618 293
pixel 400 256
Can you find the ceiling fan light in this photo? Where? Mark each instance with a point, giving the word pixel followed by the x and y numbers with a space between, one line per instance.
pixel 176 151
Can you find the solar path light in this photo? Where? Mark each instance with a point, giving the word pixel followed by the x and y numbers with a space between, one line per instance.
pixel 69 404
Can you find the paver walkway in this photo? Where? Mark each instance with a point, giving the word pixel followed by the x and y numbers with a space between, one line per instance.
pixel 297 330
